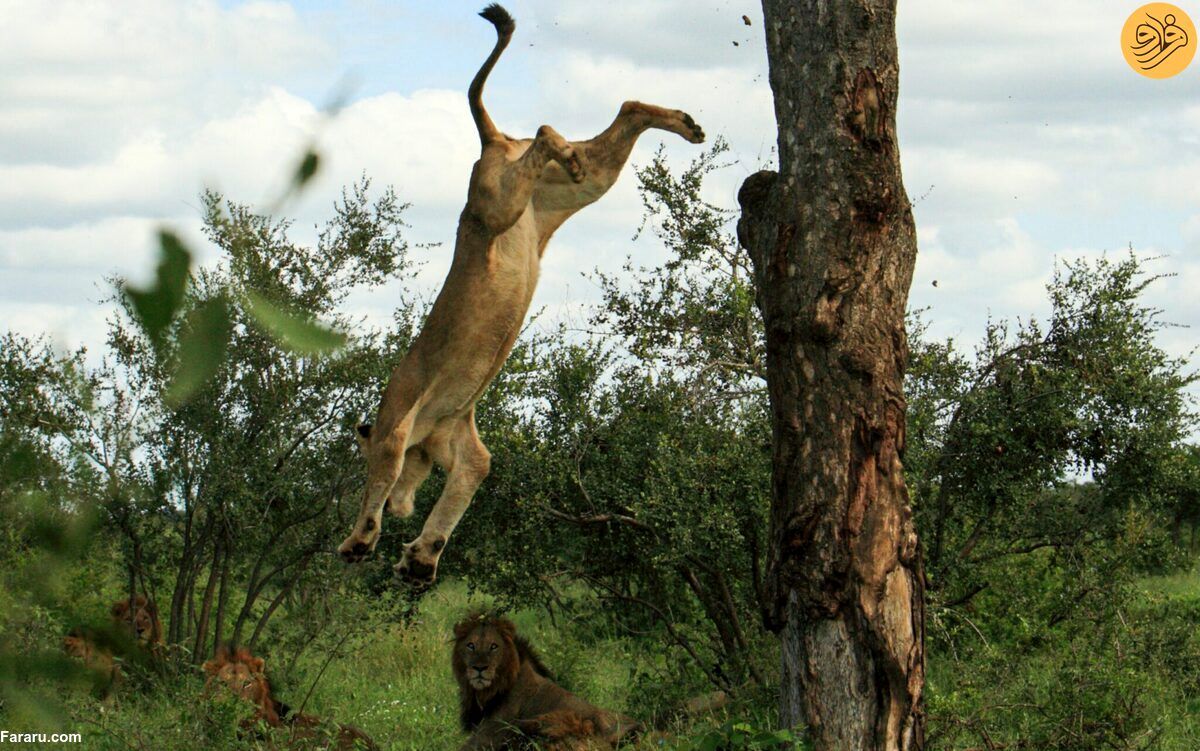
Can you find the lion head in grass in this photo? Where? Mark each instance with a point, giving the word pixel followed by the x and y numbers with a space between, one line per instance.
pixel 506 692
pixel 81 644
pixel 244 675
pixel 487 661
pixel 140 616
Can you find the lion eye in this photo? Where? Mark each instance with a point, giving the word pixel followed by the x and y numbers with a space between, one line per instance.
pixel 471 646
pixel 495 646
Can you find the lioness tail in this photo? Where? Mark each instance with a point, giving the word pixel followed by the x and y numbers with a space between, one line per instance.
pixel 504 24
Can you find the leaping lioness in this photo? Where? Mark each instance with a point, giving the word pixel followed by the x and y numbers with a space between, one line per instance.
pixel 521 191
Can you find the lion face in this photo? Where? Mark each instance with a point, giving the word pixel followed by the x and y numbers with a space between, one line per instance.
pixel 140 619
pixel 244 675
pixel 78 646
pixel 242 681
pixel 484 652
pixel 481 653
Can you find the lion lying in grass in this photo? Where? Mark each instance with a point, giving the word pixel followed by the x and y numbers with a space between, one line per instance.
pixel 95 648
pixel 81 644
pixel 507 695
pixel 245 675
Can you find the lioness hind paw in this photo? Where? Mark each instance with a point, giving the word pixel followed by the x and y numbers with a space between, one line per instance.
pixel 400 509
pixel 695 133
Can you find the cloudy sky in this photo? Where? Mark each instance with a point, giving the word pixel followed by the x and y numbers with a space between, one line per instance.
pixel 1024 135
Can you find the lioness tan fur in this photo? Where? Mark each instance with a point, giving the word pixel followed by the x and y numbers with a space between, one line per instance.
pixel 506 695
pixel 521 191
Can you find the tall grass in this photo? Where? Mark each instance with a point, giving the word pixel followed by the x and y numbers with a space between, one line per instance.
pixel 387 675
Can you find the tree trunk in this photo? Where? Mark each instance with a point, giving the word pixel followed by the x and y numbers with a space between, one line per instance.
pixel 222 594
pixel 275 603
pixel 833 245
pixel 178 628
pixel 199 652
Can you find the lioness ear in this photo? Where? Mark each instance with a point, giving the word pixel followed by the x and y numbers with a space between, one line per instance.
pixel 363 434
pixel 140 601
pixel 211 667
pixel 119 608
pixel 257 665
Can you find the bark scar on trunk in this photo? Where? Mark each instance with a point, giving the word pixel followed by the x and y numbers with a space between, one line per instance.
pixel 867 119
pixel 783 240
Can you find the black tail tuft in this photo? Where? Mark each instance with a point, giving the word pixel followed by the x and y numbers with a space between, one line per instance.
pixel 499 18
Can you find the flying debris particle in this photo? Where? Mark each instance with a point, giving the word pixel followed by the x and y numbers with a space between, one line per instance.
pixel 935 282
pixel 746 20
pixel 735 44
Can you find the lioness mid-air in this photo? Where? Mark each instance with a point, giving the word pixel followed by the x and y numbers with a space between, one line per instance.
pixel 521 191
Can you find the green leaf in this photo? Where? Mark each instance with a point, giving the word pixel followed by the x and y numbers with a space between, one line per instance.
pixel 202 347
pixel 155 307
pixel 307 168
pixel 292 331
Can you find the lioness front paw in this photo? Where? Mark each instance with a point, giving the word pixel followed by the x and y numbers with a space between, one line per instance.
pixel 359 544
pixel 419 561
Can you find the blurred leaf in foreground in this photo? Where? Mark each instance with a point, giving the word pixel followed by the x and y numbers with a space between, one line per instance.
pixel 156 306
pixel 307 168
pixel 294 332
pixel 202 348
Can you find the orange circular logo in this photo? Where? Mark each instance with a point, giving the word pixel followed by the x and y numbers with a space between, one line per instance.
pixel 1158 40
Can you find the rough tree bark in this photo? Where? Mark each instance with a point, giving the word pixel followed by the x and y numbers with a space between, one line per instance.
pixel 833 244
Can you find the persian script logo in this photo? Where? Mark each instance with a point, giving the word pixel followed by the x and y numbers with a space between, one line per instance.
pixel 1158 40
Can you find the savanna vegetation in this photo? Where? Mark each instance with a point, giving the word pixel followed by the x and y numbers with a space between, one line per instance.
pixel 205 460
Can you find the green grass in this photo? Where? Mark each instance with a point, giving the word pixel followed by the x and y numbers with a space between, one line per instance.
pixel 398 686
pixel 392 679
pixel 1181 586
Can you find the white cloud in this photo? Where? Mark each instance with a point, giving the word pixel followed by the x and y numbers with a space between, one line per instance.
pixel 655 33
pixel 80 248
pixel 963 178
pixel 79 79
pixel 1006 270
pixel 114 115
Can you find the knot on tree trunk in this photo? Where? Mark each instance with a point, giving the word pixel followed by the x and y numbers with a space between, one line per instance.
pixel 757 200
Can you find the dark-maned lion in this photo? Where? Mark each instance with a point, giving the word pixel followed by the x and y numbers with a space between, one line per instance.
pixel 507 695
pixel 521 191
pixel 141 619
pixel 245 675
